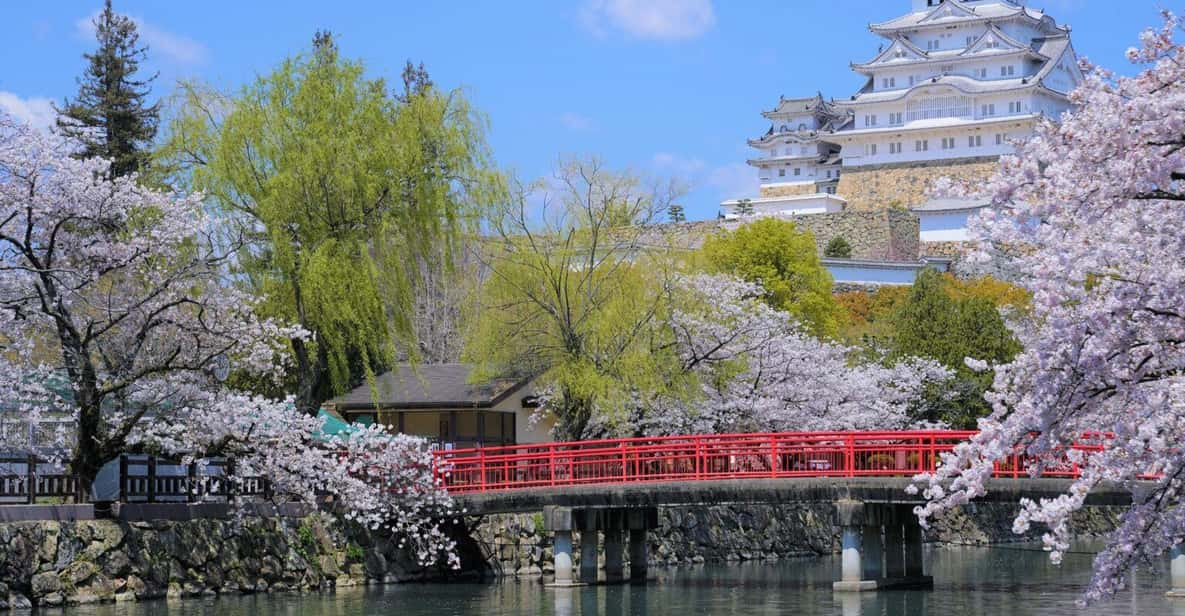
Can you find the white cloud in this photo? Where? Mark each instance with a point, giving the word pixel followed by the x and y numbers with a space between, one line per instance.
pixel 175 47
pixel 665 20
pixel 734 180
pixel 575 122
pixel 36 112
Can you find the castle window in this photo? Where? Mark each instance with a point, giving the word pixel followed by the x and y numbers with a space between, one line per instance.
pixel 781 173
pixel 895 147
pixel 797 171
pixel 939 107
pixel 999 138
pixel 1007 71
pixel 870 149
pixel 948 143
pixel 921 145
pixel 870 120
pixel 895 118
pixel 974 141
pixel 987 110
pixel 1016 107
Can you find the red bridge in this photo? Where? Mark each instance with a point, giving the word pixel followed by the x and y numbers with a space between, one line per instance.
pixel 605 489
pixel 713 457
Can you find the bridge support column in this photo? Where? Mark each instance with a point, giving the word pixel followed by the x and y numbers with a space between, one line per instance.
pixel 850 518
pixel 914 554
pixel 872 552
pixel 639 521
pixel 558 520
pixel 894 549
pixel 614 545
pixel 588 547
pixel 1177 572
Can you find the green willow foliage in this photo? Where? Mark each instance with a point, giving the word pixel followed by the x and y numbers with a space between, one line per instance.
pixel 337 189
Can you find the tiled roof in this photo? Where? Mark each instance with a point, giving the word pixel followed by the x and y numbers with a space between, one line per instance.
pixel 427 386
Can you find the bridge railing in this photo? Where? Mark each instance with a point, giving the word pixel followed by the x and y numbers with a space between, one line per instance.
pixel 708 457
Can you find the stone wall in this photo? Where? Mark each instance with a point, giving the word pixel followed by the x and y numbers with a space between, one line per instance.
pixel 953 250
pixel 789 191
pixel 68 563
pixel 885 235
pixel 517 545
pixel 903 186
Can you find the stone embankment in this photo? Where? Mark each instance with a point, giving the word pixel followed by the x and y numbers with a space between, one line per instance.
pixel 516 544
pixel 69 563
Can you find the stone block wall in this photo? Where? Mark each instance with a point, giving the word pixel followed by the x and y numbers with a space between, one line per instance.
pixel 885 235
pixel 788 191
pixel 953 250
pixel 517 545
pixel 71 563
pixel 903 186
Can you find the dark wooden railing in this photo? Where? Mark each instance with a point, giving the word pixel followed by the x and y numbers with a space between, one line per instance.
pixel 24 485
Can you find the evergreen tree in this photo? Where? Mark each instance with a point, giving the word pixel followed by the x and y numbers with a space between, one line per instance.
pixel 111 116
pixel 838 248
pixel 676 214
pixel 745 207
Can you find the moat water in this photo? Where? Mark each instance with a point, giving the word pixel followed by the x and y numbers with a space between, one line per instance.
pixel 1015 580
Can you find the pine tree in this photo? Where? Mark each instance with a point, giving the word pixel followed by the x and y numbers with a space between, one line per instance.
pixel 745 207
pixel 838 248
pixel 111 116
pixel 676 214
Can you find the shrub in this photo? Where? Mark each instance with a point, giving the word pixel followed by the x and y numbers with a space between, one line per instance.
pixel 838 248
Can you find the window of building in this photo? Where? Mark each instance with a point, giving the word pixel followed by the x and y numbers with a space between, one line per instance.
pixel 932 45
pixel 1015 107
pixel 970 39
pixel 870 120
pixel 781 173
pixel 974 141
pixel 921 145
pixel 987 110
pixel 948 143
pixel 871 149
pixel 895 118
pixel 939 107
pixel 895 147
pixel 982 73
pixel 1007 71
pixel 999 138
pixel 911 80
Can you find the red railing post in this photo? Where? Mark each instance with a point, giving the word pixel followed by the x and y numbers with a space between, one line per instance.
pixel 773 456
pixel 850 455
pixel 551 462
pixel 699 458
pixel 481 467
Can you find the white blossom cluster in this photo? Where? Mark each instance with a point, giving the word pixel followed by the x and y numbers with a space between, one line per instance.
pixel 115 312
pixel 1089 216
pixel 759 371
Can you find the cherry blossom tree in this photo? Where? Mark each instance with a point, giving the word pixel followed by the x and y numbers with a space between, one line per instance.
pixel 756 369
pixel 1088 216
pixel 116 316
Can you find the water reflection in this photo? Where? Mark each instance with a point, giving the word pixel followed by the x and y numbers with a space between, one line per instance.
pixel 1011 580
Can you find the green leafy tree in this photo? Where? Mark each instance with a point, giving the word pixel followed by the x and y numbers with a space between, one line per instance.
pixel 785 262
pixel 574 296
pixel 933 321
pixel 838 248
pixel 111 117
pixel 342 190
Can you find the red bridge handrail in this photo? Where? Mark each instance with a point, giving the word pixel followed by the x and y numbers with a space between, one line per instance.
pixel 717 456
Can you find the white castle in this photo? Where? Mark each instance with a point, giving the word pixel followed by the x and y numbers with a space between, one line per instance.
pixel 956 80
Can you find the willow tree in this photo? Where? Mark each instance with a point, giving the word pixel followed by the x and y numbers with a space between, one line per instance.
pixel 342 188
pixel 577 283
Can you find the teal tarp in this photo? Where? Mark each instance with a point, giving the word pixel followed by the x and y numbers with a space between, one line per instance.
pixel 333 426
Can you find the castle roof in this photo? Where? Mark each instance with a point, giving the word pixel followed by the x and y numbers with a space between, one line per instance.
pixel 955 12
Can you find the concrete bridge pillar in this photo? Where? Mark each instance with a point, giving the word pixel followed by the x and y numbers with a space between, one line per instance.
pixel 614 528
pixel 872 552
pixel 894 548
pixel 558 520
pixel 639 521
pixel 882 547
pixel 1177 572
pixel 850 517
pixel 588 546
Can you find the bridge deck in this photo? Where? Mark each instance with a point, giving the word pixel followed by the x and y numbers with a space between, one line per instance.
pixel 772 491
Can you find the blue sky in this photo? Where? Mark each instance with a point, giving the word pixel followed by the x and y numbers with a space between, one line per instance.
pixel 666 87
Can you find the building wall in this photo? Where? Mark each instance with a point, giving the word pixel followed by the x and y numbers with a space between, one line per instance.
pixel 882 187
pixel 944 226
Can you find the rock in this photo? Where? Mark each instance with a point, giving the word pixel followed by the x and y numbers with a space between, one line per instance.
pixel 45 583
pixel 79 571
pixel 19 602
pixel 52 599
